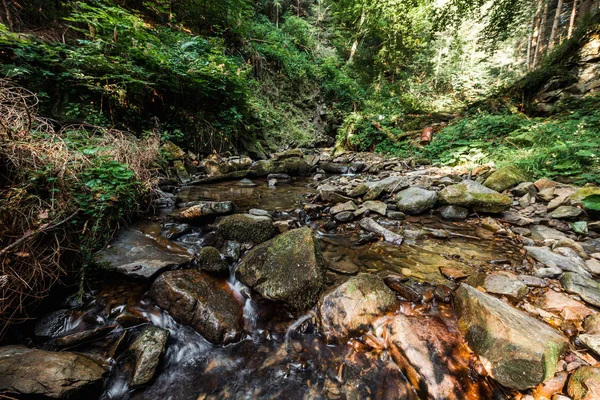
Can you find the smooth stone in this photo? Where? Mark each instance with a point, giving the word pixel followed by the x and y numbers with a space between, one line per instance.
pixel 505 285
pixel 148 349
pixel 343 217
pixel 587 288
pixel 259 213
pixel 592 342
pixel 551 259
pixel 549 272
pixel 517 350
pixel 206 303
pixel 246 182
pixel 349 309
pixel 545 183
pixel 375 206
pixel 395 215
pixel 415 200
pixel 288 268
pixel 580 227
pixel 347 206
pixel 343 267
pixel 566 212
pixel 246 228
pixel 471 194
pixel 505 178
pixel 454 213
pixel 593 265
pixel 58 375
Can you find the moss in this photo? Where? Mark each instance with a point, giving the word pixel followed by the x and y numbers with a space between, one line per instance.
pixel 490 202
pixel 585 192
pixel 505 178
pixel 585 377
pixel 210 260
pixel 171 151
pixel 477 197
pixel 553 352
pixel 247 228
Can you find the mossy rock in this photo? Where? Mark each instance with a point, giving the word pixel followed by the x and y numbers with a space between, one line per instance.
pixel 247 228
pixel 171 151
pixel 473 195
pixel 209 259
pixel 505 178
pixel 582 381
pixel 291 166
pixel 288 268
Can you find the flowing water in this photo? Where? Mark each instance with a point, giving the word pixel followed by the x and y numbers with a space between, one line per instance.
pixel 282 355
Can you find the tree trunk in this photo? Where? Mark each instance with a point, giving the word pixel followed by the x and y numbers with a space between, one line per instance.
pixel 539 47
pixel 572 21
pixel 363 18
pixel 555 24
pixel 586 8
pixel 533 35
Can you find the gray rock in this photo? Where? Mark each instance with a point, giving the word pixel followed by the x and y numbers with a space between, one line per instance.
pixel 525 200
pixel 550 272
pixel 520 350
pixel 524 188
pixel 593 266
pixel 58 375
pixel 204 302
pixel 288 268
pixel 395 215
pixel 505 284
pixel 389 185
pixel 515 219
pixel 233 250
pixel 543 232
pixel 341 207
pixel 454 213
pixel 246 182
pixel 372 226
pixel 350 309
pixel 148 349
pixel 259 213
pixel 471 194
pixel 246 228
pixel 332 194
pixel 587 288
pixel 210 260
pixel 415 200
pixel 345 216
pixel 375 206
pixel 592 342
pixel 552 259
pixel 532 281
pixel 272 182
pixel 134 253
pixel 566 212
pixel 202 209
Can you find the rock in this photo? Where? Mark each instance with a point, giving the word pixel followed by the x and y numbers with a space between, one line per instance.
pixel 543 232
pixel 259 213
pixel 345 216
pixel 343 267
pixel 561 304
pixel 378 207
pixel 593 266
pixel 350 309
pixel 518 351
pixel 369 225
pixel 432 357
pixel 206 303
pixel 585 192
pixel 415 200
pixel 505 178
pixel 532 281
pixel 374 194
pixel 453 274
pixel 181 172
pixel 395 215
pixel 580 227
pixel 272 182
pixel 210 260
pixel 490 224
pixel 148 349
pixel 58 375
pixel 54 324
pixel 515 219
pixel 454 213
pixel 172 151
pixel 587 288
pixel 232 250
pixel 544 183
pixel 288 268
pixel 347 206
pixel 246 182
pixel 558 201
pixel 592 342
pixel 359 190
pixel 132 252
pixel 550 272
pixel 279 177
pixel 546 194
pixel 247 228
pixel 566 212
pixel 89 335
pixel 526 200
pixel 591 324
pixel 505 284
pixel 552 259
pixel 388 185
pixel 205 209
pixel 294 166
pixel 472 194
pixel 524 188
pixel 584 384
pixel 332 194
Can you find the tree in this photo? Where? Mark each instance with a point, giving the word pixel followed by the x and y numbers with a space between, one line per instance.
pixel 555 24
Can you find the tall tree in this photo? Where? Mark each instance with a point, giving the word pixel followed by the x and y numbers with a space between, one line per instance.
pixel 555 24
pixel 572 21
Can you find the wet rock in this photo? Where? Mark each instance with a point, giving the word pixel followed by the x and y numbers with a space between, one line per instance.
pixel 552 259
pixel 288 268
pixel 132 252
pixel 453 274
pixel 148 349
pixel 232 250
pixel 343 267
pixel 505 178
pixel 175 231
pixel 369 225
pixel 584 384
pixel 279 177
pixel 345 216
pixel 476 196
pixel 587 288
pixel 454 213
pixel 395 215
pixel 505 284
pixel 524 188
pixel 332 194
pixel 246 228
pixel 347 206
pixel 206 303
pixel 375 206
pixel 204 209
pixel 54 324
pixel 432 357
pixel 566 212
pixel 293 166
pixel 405 291
pixel 543 232
pixel 86 336
pixel 350 309
pixel 415 200
pixel 518 351
pixel 58 375
pixel 259 213
pixel 210 260
pixel 368 238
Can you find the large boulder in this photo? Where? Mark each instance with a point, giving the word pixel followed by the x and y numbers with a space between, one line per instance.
pixel 518 350
pixel 206 303
pixel 505 178
pixel 587 288
pixel 415 200
pixel 476 196
pixel 433 358
pixel 134 252
pixel 288 268
pixel 350 309
pixel 148 349
pixel 247 228
pixel 294 166
pixel 58 375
